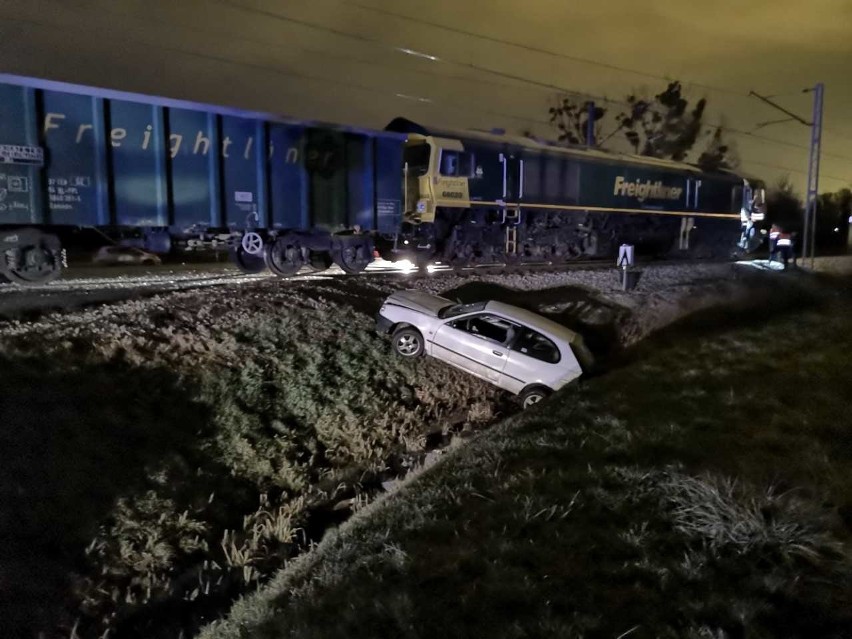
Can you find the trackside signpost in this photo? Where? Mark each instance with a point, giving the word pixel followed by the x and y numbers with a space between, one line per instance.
pixel 629 275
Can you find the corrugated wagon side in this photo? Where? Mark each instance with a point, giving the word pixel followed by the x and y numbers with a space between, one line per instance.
pixel 278 193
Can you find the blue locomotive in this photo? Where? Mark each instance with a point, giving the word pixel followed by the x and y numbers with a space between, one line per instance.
pixel 282 194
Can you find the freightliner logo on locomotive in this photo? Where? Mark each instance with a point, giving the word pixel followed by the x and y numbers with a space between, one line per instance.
pixel 646 190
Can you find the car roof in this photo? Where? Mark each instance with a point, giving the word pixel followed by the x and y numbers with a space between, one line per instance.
pixel 533 320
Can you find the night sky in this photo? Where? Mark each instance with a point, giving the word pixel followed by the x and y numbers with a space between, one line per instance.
pixel 501 63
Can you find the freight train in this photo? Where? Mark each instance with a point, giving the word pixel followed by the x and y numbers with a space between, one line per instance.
pixel 282 194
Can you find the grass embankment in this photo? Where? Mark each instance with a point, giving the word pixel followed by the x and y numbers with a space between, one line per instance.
pixel 701 490
pixel 159 457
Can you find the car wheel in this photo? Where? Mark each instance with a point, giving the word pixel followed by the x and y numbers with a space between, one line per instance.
pixel 533 396
pixel 408 342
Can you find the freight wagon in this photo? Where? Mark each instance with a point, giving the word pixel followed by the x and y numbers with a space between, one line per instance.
pixel 283 194
pixel 179 172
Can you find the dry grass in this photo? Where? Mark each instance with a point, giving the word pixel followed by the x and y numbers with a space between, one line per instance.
pixel 211 434
pixel 729 516
pixel 167 455
pixel 625 507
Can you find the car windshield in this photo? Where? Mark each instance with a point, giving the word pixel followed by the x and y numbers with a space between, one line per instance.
pixel 455 310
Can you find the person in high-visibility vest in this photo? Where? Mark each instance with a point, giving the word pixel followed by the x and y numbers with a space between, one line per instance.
pixel 784 245
pixel 774 232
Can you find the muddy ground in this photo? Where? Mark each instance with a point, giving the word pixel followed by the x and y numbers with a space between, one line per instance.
pixel 162 456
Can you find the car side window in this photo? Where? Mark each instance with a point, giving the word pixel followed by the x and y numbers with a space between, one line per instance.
pixel 487 327
pixel 536 345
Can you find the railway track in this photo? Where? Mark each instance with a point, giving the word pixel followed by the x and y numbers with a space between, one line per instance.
pixel 87 285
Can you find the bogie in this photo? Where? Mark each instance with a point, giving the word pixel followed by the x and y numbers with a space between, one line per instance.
pixel 285 256
pixel 353 253
pixel 29 257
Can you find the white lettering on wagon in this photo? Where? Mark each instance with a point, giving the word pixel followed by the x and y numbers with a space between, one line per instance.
pixel 201 144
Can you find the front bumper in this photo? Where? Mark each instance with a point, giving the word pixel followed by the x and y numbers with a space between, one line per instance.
pixel 383 324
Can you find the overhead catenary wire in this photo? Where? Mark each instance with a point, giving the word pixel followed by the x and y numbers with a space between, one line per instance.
pixel 533 48
pixel 283 44
pixel 799 171
pixel 465 108
pixel 284 72
pixel 734 131
pixel 548 86
pixel 383 45
pixel 558 54
pixel 845 136
pixel 510 76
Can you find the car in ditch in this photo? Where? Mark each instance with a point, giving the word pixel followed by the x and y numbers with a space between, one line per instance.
pixel 125 255
pixel 510 347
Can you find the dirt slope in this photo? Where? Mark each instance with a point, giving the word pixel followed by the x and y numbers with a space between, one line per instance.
pixel 165 455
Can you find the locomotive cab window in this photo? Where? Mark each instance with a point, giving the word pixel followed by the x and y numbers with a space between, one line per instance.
pixel 417 158
pixel 740 197
pixel 457 164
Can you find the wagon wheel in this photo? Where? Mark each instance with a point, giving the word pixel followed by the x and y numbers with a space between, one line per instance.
pixel 511 263
pixel 462 257
pixel 319 260
pixel 35 263
pixel 284 256
pixel 247 262
pixel 353 257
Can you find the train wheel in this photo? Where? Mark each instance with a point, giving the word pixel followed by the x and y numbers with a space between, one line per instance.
pixel 284 256
pixel 462 257
pixel 354 257
pixel 37 260
pixel 247 262
pixel 458 263
pixel 511 263
pixel 319 260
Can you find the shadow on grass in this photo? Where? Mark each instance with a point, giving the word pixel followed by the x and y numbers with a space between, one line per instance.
pixel 73 439
pixel 764 305
pixel 492 543
pixel 600 321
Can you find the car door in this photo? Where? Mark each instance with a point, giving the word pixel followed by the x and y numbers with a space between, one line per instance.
pixel 533 359
pixel 476 344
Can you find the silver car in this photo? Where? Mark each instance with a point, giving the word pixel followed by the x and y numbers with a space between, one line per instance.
pixel 110 255
pixel 508 346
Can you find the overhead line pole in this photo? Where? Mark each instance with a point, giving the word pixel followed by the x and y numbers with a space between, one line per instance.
pixel 813 167
pixel 809 228
pixel 780 108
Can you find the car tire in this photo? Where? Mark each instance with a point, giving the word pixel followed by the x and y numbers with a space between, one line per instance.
pixel 533 396
pixel 408 342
